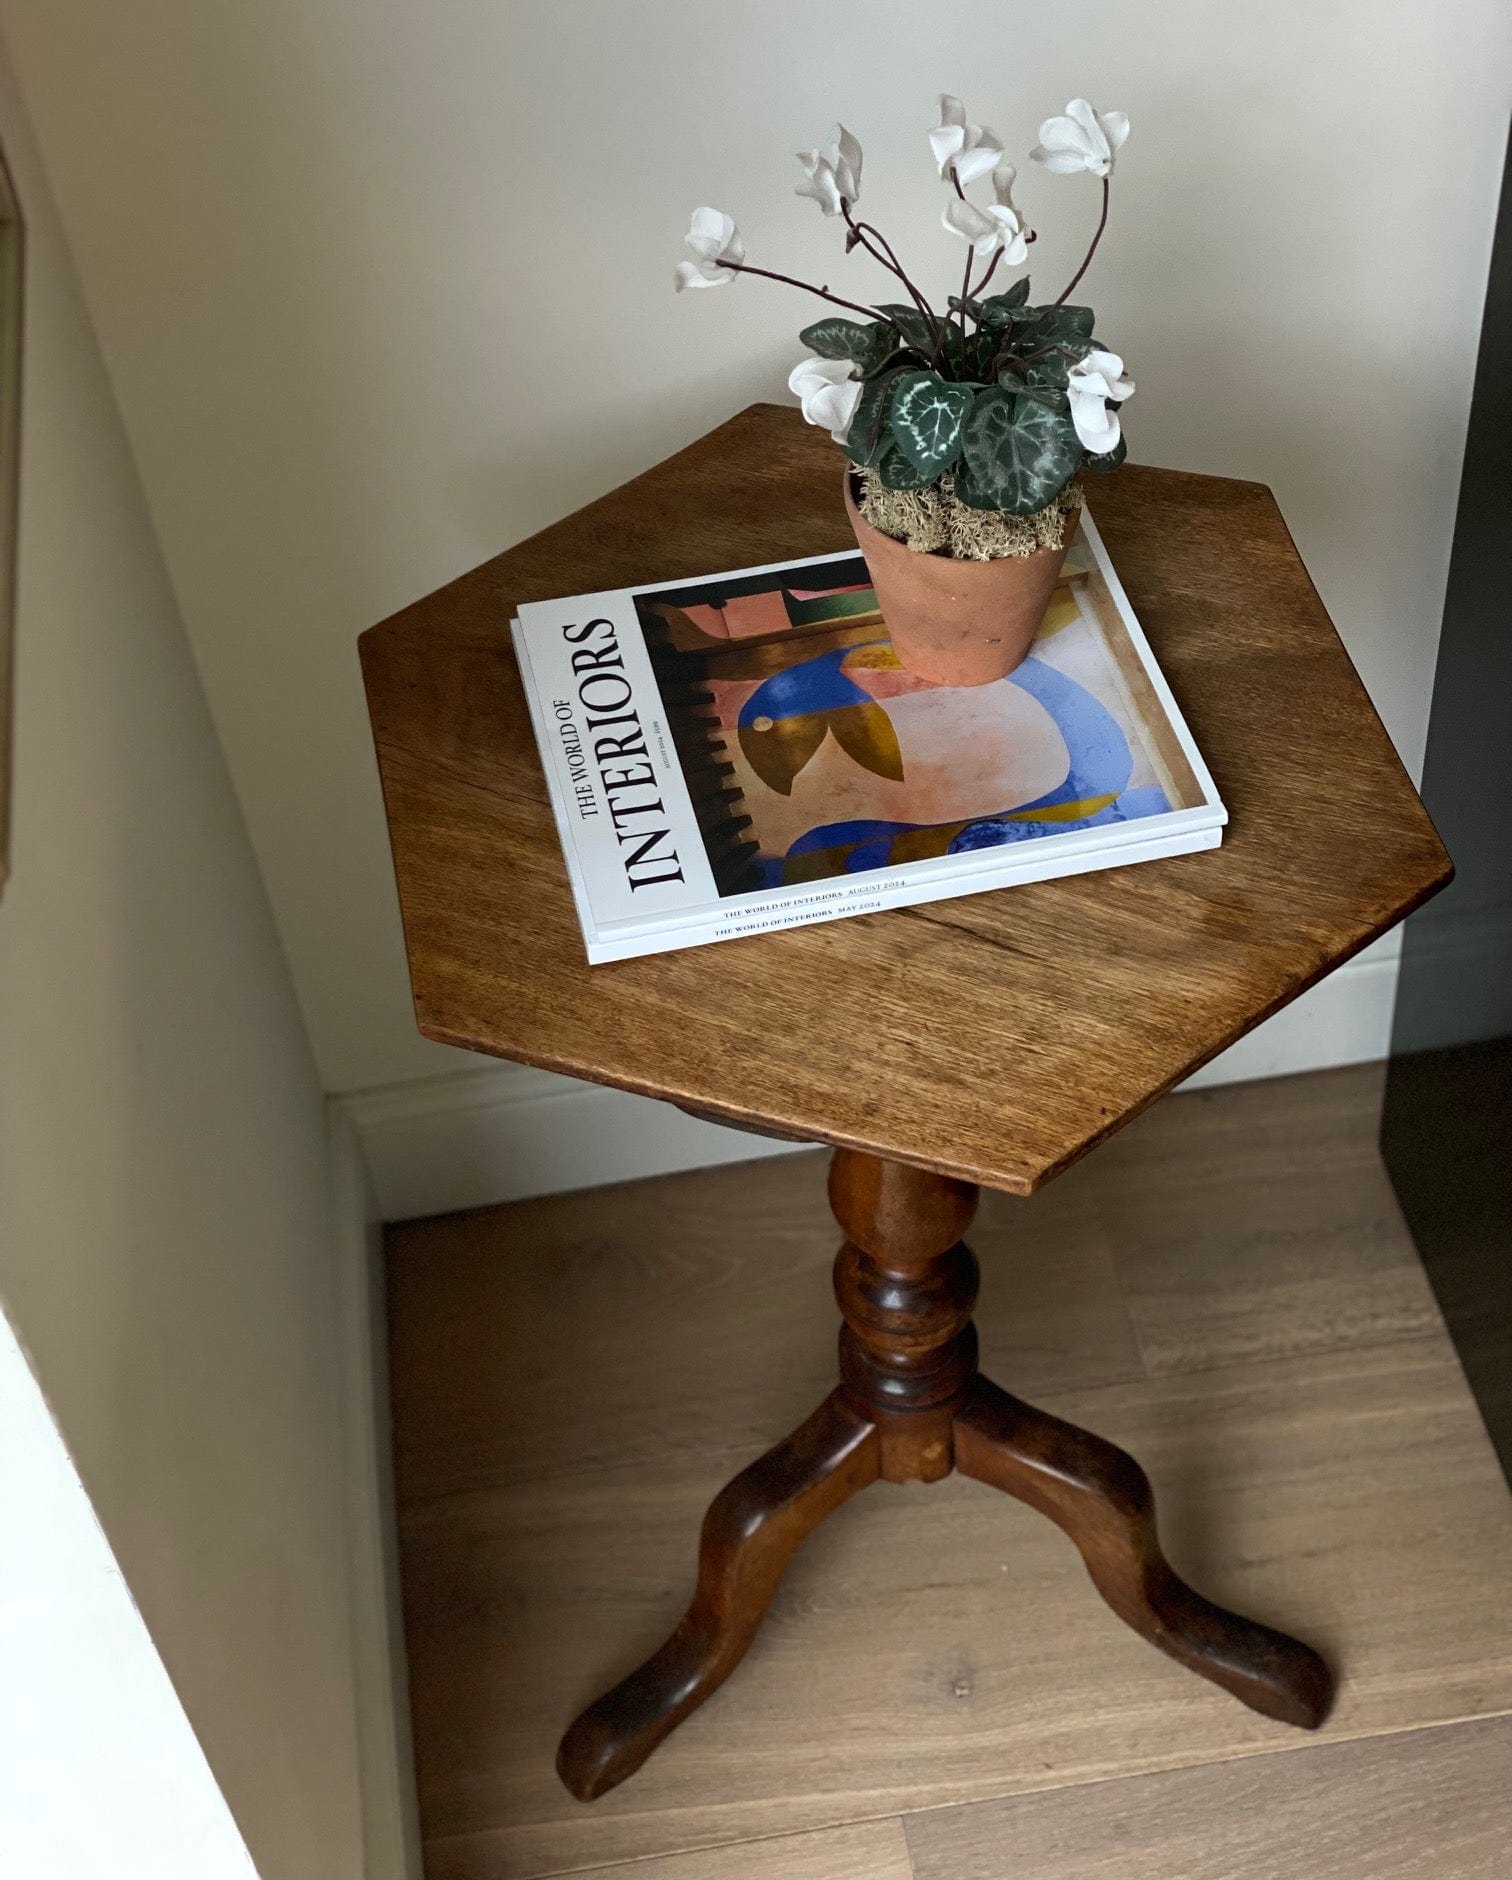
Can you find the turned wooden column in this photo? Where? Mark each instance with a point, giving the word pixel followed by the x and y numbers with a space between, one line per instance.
pixel 906 1283
pixel 911 1406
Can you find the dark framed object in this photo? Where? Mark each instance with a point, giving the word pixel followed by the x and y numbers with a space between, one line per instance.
pixel 11 244
pixel 1447 1126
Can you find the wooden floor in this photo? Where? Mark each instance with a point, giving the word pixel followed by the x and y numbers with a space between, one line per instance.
pixel 1226 1289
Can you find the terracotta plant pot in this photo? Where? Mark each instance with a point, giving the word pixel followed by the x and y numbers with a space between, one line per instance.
pixel 958 622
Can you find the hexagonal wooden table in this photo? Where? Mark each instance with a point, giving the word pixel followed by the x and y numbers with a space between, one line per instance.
pixel 992 1039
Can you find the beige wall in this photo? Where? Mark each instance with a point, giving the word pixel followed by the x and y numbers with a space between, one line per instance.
pixel 165 1245
pixel 383 287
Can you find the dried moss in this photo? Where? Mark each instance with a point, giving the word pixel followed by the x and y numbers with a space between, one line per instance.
pixel 935 521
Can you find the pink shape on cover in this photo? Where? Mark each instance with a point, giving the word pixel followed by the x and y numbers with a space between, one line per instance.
pixel 742 617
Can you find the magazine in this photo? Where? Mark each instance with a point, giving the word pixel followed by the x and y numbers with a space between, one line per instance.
pixel 742 753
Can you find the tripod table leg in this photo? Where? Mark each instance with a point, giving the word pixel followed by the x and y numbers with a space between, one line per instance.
pixel 751 1531
pixel 1102 1498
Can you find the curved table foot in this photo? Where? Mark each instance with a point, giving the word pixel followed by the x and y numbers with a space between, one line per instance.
pixel 751 1531
pixel 1102 1498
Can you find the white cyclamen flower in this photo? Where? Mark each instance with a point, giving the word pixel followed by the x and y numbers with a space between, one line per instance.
pixel 996 226
pixel 713 238
pixel 1083 139
pixel 828 393
pixel 1003 179
pixel 834 173
pixel 967 150
pixel 1091 383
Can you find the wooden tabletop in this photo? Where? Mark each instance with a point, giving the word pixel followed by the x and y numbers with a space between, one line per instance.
pixel 996 1037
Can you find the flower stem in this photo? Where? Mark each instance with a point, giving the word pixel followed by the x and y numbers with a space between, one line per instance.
pixel 1102 223
pixel 870 237
pixel 991 270
pixel 1006 356
pixel 788 280
pixel 970 253
pixel 966 288
pixel 965 284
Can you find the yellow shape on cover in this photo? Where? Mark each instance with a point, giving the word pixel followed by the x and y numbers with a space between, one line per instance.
pixel 1065 812
pixel 872 658
pixel 1062 612
pixel 923 845
pixel 865 733
pixel 780 748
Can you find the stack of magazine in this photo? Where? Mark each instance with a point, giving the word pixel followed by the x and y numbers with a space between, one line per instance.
pixel 742 753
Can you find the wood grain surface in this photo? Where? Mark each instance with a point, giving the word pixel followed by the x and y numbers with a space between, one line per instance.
pixel 940 1645
pixel 1272 1256
pixel 997 1037
pixel 1416 1805
pixel 873 1851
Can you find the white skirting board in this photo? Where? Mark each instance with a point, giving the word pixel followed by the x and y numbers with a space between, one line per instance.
pixel 503 1131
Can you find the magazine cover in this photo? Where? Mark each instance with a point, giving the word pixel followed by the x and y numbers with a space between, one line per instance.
pixel 745 751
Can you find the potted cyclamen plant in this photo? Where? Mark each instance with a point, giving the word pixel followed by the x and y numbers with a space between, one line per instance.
pixel 965 429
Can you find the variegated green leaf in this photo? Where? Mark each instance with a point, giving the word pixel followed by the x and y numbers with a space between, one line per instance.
pixel 925 418
pixel 908 321
pixel 867 345
pixel 1060 326
pixel 895 472
pixel 869 437
pixel 1007 308
pixel 837 339
pixel 1018 454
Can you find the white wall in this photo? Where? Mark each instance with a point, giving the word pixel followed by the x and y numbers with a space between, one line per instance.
pixel 100 1774
pixel 384 286
pixel 166 1252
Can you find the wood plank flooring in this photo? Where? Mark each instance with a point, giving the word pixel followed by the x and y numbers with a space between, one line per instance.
pixel 1415 1805
pixel 874 1850
pixel 1226 1289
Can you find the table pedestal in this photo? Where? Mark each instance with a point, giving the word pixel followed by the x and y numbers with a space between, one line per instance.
pixel 911 1406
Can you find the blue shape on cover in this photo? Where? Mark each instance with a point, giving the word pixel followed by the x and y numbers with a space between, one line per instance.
pixel 1101 762
pixel 1149 801
pixel 835 835
pixel 993 835
pixel 868 839
pixel 818 685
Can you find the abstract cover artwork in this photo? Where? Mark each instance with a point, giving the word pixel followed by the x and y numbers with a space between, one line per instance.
pixel 746 752
pixel 844 762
